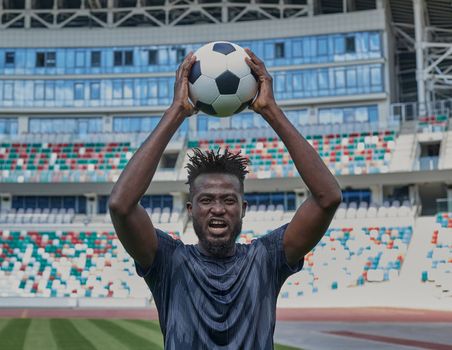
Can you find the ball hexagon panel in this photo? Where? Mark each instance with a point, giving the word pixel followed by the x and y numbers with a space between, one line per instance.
pixel 204 89
pixel 227 83
pixel 226 105
pixel 224 48
pixel 236 63
pixel 247 88
pixel 212 63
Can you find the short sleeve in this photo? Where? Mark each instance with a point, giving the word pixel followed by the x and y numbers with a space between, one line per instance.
pixel 273 242
pixel 162 264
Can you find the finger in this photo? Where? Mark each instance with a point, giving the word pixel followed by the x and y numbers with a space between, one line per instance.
pixel 252 55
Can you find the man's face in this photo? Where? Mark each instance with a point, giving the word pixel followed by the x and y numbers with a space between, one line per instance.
pixel 217 209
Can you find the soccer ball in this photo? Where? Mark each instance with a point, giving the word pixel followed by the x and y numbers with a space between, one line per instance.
pixel 220 82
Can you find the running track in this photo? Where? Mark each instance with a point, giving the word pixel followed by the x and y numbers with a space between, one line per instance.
pixel 282 314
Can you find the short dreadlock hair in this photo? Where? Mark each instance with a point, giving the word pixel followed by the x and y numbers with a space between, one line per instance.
pixel 211 162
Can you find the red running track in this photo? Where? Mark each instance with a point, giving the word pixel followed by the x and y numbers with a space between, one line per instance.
pixel 282 314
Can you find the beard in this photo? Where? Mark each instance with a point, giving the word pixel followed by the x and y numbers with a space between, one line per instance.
pixel 220 248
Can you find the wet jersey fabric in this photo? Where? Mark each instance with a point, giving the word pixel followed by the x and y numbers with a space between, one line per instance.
pixel 218 303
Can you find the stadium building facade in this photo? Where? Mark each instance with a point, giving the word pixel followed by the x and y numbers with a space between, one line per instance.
pixel 82 83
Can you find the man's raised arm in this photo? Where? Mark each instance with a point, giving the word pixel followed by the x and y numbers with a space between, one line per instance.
pixel 312 219
pixel 132 224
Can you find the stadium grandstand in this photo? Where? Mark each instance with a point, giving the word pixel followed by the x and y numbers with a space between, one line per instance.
pixel 367 82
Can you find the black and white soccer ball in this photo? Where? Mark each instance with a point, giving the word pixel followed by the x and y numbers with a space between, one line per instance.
pixel 220 82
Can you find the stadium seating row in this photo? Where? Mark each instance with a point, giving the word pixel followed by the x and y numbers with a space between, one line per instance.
pixel 433 123
pixel 365 210
pixel 439 271
pixel 65 264
pixel 157 215
pixel 353 153
pixel 347 257
pixel 37 216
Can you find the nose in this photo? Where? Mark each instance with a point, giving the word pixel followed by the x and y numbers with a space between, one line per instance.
pixel 218 208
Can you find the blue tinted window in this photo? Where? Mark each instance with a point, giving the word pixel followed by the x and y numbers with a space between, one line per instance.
pixel 8 126
pixel 95 91
pixel 79 91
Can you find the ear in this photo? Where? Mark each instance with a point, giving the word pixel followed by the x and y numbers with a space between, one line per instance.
pixel 189 207
pixel 244 206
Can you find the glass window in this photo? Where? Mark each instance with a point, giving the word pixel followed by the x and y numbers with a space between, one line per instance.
pixel 94 91
pixel 79 91
pixel 95 58
pixel 374 41
pixel 79 59
pixel 350 44
pixel 50 59
pixel 163 88
pixel 351 77
pixel 322 46
pixel 50 90
pixel 339 45
pixel 117 58
pixel 297 48
pixel 8 126
pixel 10 58
pixel 45 59
pixel 269 51
pixel 40 59
pixel 280 83
pixel 128 58
pixel 180 54
pixel 39 91
pixel 8 91
pixel 339 78
pixel 323 79
pixel 117 89
pixel 297 82
pixel 153 57
pixel 152 89
pixel 375 76
pixel 279 50
pixel 128 89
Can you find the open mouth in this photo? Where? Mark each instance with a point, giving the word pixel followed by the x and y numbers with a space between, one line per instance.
pixel 217 226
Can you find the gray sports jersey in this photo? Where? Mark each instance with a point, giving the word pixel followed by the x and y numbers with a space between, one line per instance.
pixel 218 303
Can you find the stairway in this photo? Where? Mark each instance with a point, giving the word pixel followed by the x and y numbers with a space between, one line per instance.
pixel 403 157
pixel 445 160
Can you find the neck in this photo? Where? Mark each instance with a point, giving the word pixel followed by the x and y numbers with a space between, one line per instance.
pixel 216 252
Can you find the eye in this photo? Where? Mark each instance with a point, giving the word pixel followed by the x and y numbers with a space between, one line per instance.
pixel 230 201
pixel 205 200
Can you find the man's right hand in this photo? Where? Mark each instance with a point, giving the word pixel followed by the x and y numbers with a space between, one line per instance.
pixel 180 99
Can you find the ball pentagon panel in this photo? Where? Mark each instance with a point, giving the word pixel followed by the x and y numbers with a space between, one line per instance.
pixel 223 47
pixel 227 83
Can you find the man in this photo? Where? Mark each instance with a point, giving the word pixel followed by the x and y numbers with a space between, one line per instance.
pixel 219 294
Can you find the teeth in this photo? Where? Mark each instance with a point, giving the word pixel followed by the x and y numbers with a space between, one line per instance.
pixel 217 222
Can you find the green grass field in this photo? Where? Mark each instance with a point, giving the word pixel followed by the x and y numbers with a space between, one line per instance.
pixel 82 334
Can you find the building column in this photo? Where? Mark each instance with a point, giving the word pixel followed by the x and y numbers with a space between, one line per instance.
pixel 179 200
pixel 419 30
pixel 6 201
pixel 376 192
pixel 449 198
pixel 91 204
pixel 301 194
pixel 22 125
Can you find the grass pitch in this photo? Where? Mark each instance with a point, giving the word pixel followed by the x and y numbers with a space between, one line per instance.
pixel 82 334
